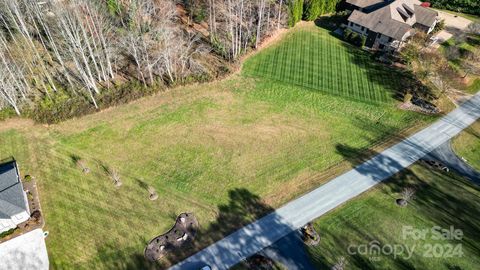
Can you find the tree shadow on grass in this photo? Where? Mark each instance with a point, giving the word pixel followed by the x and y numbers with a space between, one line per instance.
pixel 330 23
pixel 242 208
pixel 448 200
pixel 396 81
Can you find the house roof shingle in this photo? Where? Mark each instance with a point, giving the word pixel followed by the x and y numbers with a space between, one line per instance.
pixel 395 19
pixel 381 23
pixel 425 16
pixel 12 197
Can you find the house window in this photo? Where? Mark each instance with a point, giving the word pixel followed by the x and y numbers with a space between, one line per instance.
pixel 390 39
pixel 381 46
pixel 363 28
pixel 350 24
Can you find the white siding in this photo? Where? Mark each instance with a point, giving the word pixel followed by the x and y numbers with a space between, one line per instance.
pixel 357 28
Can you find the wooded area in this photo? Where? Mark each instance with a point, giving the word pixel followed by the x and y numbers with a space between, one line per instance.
pixel 465 6
pixel 58 50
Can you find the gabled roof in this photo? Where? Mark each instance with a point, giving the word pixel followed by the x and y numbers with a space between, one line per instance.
pixel 425 16
pixel 394 19
pixel 12 196
pixel 381 22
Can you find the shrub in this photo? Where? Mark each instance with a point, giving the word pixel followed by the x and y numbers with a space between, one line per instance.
pixel 407 98
pixel 60 106
pixel 199 15
pixel 439 26
pixel 363 41
pixel 7 233
pixel 7 113
pixel 347 34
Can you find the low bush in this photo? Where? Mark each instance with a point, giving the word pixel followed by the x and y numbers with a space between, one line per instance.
pixel 6 113
pixel 354 38
pixel 439 26
pixel 7 233
pixel 61 106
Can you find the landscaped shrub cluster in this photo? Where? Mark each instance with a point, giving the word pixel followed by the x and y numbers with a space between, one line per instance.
pixel 465 6
pixel 354 38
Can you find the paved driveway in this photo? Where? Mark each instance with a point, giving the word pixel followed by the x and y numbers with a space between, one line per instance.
pixel 453 25
pixel 454 21
pixel 264 232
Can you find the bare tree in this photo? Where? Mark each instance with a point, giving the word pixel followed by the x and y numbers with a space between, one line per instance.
pixel 340 264
pixel 152 193
pixel 408 194
pixel 83 165
pixel 115 177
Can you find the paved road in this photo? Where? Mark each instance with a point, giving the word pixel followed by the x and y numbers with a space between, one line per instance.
pixel 447 156
pixel 264 232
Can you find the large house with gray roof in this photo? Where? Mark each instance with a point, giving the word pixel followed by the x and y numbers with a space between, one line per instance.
pixel 13 199
pixel 387 24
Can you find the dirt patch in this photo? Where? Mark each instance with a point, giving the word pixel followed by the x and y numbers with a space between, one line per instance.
pixel 15 123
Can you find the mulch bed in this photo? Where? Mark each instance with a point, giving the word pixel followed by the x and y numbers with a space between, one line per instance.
pixel 183 232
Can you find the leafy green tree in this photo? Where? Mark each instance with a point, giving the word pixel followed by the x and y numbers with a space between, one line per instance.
pixel 465 6
pixel 295 12
pixel 312 9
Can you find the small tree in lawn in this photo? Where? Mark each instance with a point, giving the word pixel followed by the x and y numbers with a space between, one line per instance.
pixel 340 265
pixel 116 178
pixel 407 195
pixel 83 165
pixel 153 193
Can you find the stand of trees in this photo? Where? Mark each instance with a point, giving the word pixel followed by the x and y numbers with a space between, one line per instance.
pixel 78 48
pixel 312 9
pixel 309 10
pixel 465 6
pixel 236 25
pixel 66 49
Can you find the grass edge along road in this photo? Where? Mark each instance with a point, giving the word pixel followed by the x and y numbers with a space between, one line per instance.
pixel 373 222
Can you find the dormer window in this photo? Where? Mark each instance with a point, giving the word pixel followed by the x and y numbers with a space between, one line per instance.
pixel 409 10
pixel 405 16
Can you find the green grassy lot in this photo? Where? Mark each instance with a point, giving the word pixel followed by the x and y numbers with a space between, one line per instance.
pixel 375 217
pixel 209 149
pixel 467 145
pixel 311 57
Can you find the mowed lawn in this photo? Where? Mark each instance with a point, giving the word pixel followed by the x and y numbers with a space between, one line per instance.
pixel 211 149
pixel 374 220
pixel 311 57
pixel 467 145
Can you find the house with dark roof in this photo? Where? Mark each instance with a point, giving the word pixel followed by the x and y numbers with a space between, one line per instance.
pixel 13 199
pixel 387 24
